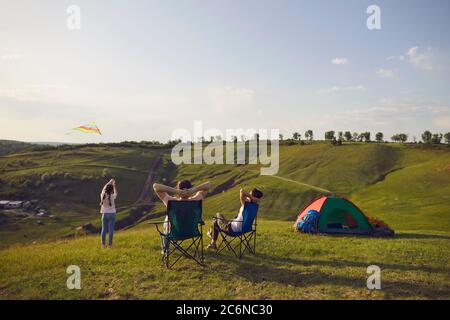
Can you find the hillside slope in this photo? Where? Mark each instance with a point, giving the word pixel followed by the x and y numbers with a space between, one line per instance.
pixel 12 146
pixel 405 185
pixel 67 184
pixel 287 265
pixel 416 195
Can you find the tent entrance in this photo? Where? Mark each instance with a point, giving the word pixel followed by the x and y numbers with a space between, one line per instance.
pixel 340 219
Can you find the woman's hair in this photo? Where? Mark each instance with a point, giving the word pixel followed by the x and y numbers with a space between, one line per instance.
pixel 108 191
pixel 184 184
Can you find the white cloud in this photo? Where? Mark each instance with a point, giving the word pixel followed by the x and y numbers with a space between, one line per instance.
pixel 385 73
pixel 420 58
pixel 333 89
pixel 339 61
pixel 392 115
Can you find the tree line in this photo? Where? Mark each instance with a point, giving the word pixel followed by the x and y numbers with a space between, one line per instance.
pixel 331 136
pixel 338 137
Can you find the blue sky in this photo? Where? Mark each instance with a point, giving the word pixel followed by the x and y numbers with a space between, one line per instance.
pixel 142 69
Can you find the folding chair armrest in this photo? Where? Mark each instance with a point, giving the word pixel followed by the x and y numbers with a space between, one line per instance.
pixel 228 219
pixel 157 222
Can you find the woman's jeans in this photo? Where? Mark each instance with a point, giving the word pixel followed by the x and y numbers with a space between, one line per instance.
pixel 108 222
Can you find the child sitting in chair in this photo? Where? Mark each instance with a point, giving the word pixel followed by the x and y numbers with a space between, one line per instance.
pixel 235 225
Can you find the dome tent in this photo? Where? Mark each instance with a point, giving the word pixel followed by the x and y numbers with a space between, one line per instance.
pixel 338 215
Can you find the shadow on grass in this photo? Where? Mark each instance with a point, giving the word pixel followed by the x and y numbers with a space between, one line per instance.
pixel 421 236
pixel 263 268
pixel 346 264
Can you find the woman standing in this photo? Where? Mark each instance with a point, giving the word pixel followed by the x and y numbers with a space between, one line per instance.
pixel 108 211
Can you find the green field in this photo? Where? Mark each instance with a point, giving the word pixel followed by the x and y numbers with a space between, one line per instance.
pixel 67 183
pixel 407 186
pixel 287 265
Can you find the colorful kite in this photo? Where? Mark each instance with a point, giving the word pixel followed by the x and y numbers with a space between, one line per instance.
pixel 88 128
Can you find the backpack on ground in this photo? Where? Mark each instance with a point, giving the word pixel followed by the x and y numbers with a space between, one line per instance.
pixel 309 223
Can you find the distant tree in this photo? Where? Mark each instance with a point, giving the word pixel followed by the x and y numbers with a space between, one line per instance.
pixel 400 137
pixel 234 138
pixel 309 135
pixel 211 139
pixel 403 137
pixel 361 137
pixel 296 136
pixel 340 136
pixel 348 135
pixel 365 136
pixel 329 135
pixel 447 137
pixel 426 136
pixel 379 137
pixel 218 138
pixel 257 137
pixel 280 137
pixel 355 136
pixel 436 138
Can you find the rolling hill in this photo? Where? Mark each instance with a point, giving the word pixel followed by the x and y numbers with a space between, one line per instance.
pixel 66 183
pixel 12 146
pixel 407 186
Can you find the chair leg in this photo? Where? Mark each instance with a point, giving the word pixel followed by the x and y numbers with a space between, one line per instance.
pixel 225 244
pixel 167 253
pixel 202 257
pixel 240 247
pixel 197 256
pixel 197 244
pixel 247 242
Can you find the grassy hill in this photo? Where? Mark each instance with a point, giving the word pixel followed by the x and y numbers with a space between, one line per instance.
pixel 12 146
pixel 67 183
pixel 407 186
pixel 287 265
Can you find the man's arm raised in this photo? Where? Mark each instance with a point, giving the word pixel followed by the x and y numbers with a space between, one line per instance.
pixel 162 190
pixel 201 189
pixel 243 195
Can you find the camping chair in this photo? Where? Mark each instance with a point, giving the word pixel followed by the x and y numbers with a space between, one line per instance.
pixel 184 222
pixel 246 239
